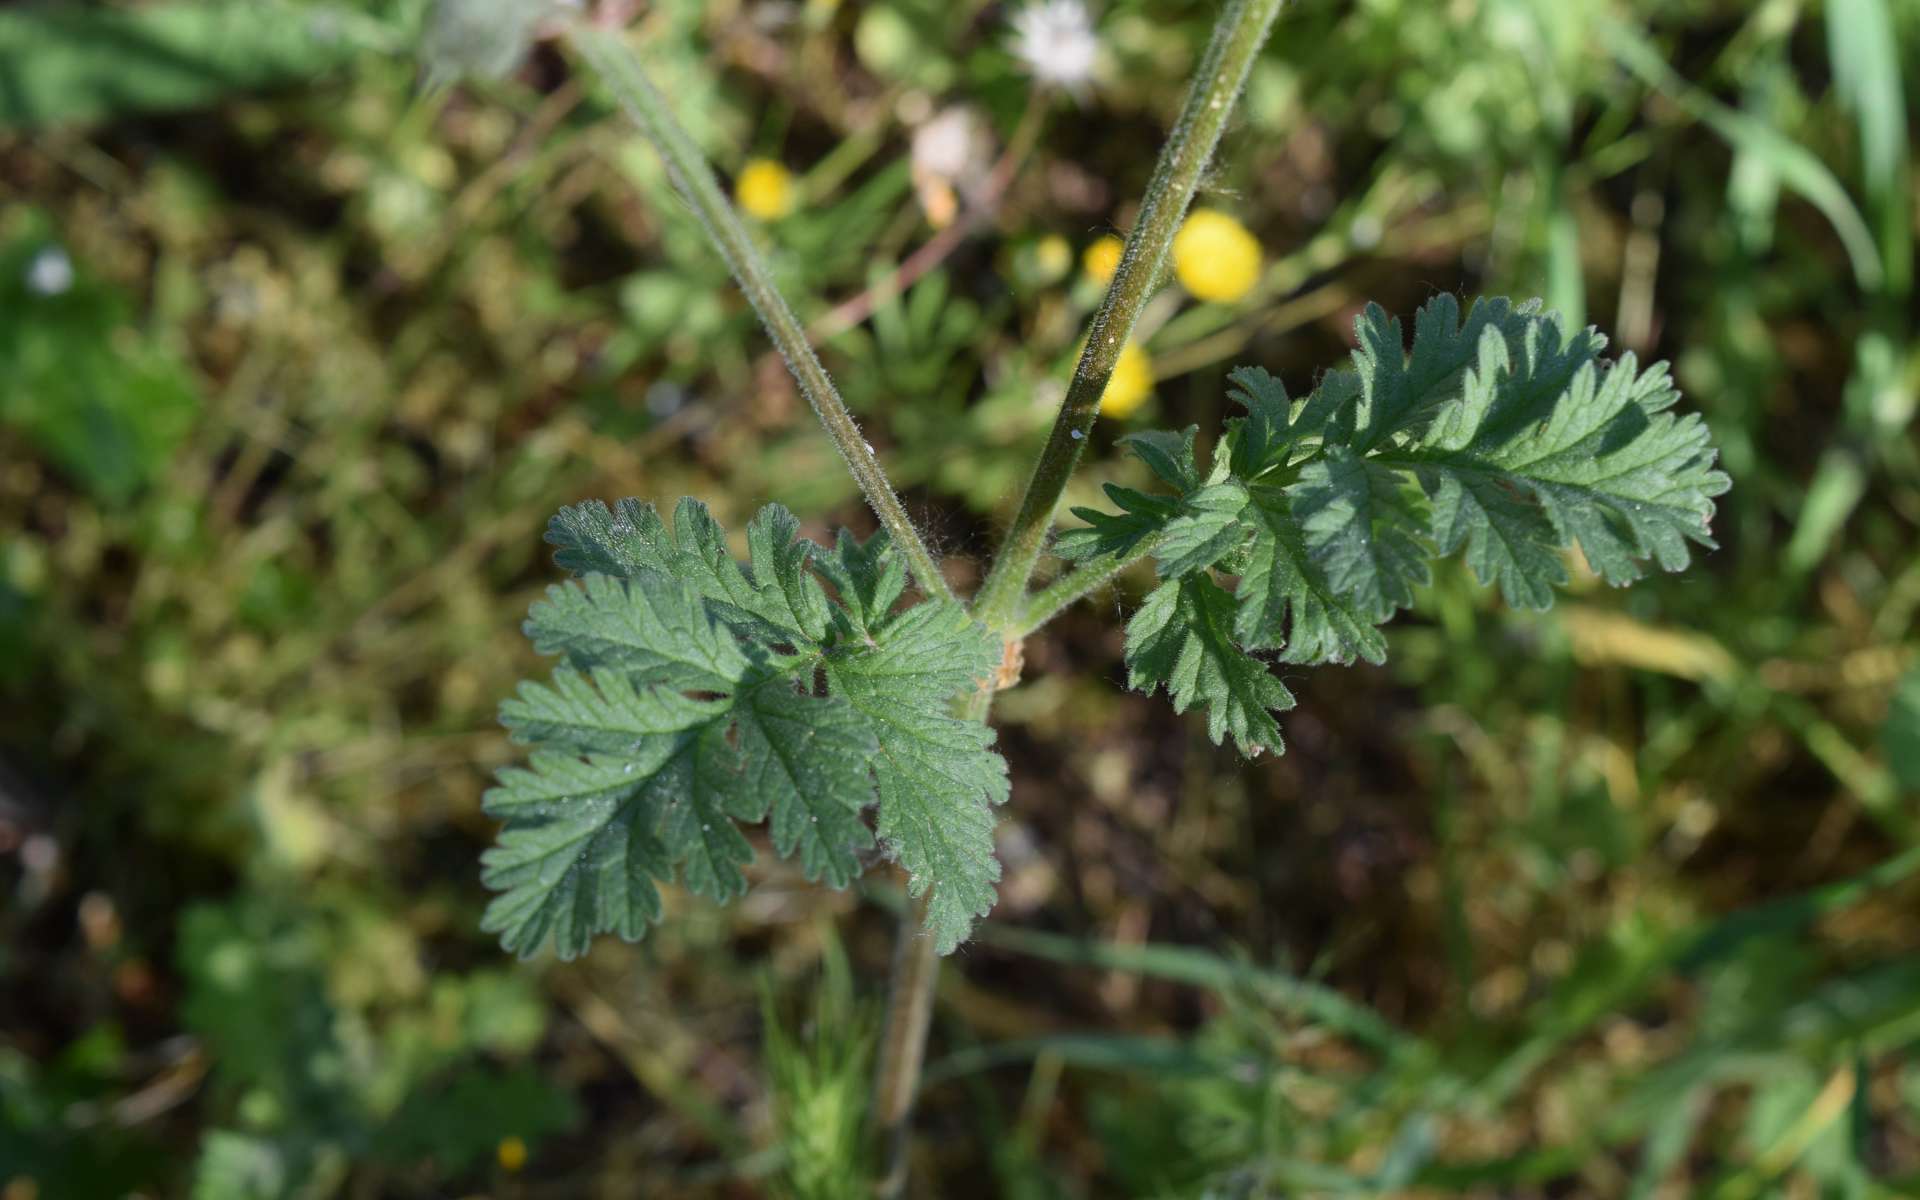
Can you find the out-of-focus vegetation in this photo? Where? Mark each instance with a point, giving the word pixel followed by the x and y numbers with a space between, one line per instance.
pixel 296 359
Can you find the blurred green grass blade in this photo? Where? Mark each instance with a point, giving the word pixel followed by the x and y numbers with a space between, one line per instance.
pixel 1865 50
pixel 1869 783
pixel 1614 973
pixel 1667 1140
pixel 1412 1148
pixel 1200 968
pixel 1900 735
pixel 1608 975
pixel 1753 186
pixel 1864 46
pixel 64 64
pixel 1839 481
pixel 1797 167
pixel 1875 1010
pixel 1792 913
pixel 1872 1011
pixel 1566 276
pixel 1526 1169
pixel 1155 1056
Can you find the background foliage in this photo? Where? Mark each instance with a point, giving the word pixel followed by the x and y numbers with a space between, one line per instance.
pixel 295 362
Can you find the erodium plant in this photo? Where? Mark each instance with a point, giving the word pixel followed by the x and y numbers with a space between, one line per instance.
pixel 840 693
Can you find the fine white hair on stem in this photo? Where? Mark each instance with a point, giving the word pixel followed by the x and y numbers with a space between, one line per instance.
pixel 1055 39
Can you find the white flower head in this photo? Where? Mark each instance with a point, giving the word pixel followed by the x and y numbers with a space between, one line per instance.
pixel 951 145
pixel 1055 39
pixel 50 273
pixel 950 151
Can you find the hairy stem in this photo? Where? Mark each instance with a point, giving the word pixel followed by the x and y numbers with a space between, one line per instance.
pixel 1237 36
pixel 610 55
pixel 903 1045
pixel 1047 603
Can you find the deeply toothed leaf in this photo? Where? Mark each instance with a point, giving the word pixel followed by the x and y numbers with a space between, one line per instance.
pixel 688 703
pixel 1495 434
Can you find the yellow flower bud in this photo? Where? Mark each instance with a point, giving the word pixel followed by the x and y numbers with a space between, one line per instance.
pixel 764 190
pixel 1130 385
pixel 1102 259
pixel 1052 257
pixel 938 200
pixel 1215 258
pixel 512 1153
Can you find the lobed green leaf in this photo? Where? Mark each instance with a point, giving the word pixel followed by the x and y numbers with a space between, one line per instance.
pixel 697 693
pixel 1495 434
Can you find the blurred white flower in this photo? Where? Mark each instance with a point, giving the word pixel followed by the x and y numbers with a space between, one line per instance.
pixel 950 150
pixel 50 273
pixel 1055 39
pixel 949 145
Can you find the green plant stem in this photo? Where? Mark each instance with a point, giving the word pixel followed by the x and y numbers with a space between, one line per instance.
pixel 610 55
pixel 1237 36
pixel 916 970
pixel 903 1044
pixel 1046 604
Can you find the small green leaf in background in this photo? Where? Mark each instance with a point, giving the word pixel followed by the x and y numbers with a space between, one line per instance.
pixel 236 1166
pixel 103 401
pixel 40 1142
pixel 459 1124
pixel 485 39
pixel 67 64
pixel 1865 48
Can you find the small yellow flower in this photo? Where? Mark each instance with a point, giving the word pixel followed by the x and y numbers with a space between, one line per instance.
pixel 764 189
pixel 1052 256
pixel 1102 259
pixel 1130 384
pixel 512 1153
pixel 1215 258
